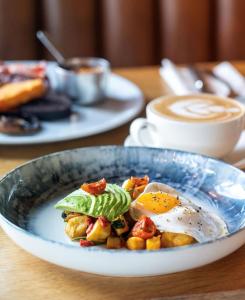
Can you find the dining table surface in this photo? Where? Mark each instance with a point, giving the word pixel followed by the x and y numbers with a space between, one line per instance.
pixel 23 276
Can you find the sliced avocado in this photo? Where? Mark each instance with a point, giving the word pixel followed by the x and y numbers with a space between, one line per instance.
pixel 112 203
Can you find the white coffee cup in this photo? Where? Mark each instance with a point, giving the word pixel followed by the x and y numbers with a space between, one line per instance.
pixel 212 137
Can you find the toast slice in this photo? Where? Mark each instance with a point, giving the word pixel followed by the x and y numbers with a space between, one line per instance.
pixel 17 93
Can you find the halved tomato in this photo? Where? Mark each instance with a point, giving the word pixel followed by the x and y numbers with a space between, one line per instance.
pixel 103 221
pixel 95 188
pixel 84 243
pixel 144 228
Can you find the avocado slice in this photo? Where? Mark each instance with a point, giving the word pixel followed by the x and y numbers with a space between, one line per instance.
pixel 112 203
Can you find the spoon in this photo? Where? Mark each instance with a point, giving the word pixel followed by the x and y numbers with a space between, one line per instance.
pixel 70 64
pixel 43 38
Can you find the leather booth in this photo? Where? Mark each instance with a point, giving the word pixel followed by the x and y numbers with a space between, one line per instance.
pixel 127 32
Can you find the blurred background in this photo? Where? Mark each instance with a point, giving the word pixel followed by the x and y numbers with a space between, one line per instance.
pixel 126 32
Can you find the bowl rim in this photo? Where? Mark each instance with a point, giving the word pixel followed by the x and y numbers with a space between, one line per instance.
pixel 100 248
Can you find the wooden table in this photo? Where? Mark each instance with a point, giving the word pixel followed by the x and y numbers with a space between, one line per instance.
pixel 23 276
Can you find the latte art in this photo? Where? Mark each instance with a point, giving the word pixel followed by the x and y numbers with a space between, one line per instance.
pixel 202 109
pixel 195 109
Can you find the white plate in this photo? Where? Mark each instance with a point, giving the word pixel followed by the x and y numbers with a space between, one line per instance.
pixel 125 101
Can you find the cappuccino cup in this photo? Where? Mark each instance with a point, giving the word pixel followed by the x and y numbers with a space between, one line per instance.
pixel 200 123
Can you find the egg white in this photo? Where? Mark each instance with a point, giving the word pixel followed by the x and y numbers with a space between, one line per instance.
pixel 187 218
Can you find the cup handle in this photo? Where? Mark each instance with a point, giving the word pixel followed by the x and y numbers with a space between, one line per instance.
pixel 136 128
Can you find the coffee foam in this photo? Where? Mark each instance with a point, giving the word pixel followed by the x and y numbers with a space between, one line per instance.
pixel 197 109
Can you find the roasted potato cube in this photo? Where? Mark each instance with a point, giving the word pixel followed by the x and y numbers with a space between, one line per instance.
pixel 170 239
pixel 113 242
pixel 77 226
pixel 128 184
pixel 154 243
pixel 99 232
pixel 135 243
pixel 120 225
pixel 71 215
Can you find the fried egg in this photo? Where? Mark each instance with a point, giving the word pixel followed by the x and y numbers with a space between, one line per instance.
pixel 173 213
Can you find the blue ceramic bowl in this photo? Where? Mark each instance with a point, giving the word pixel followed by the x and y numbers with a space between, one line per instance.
pixel 27 195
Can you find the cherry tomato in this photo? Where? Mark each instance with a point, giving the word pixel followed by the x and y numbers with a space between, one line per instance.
pixel 90 220
pixel 95 188
pixel 90 227
pixel 144 228
pixel 103 222
pixel 84 243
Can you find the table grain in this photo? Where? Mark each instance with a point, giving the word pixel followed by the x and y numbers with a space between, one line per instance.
pixel 23 276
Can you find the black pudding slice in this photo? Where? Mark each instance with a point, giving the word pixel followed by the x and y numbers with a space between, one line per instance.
pixel 52 106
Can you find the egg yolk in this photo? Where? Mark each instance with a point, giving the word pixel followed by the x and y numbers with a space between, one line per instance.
pixel 158 202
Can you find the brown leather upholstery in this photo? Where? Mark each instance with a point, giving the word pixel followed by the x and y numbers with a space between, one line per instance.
pixel 185 30
pixel 127 32
pixel 72 25
pixel 231 29
pixel 17 29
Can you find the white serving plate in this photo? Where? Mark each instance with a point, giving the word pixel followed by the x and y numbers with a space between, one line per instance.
pixel 124 101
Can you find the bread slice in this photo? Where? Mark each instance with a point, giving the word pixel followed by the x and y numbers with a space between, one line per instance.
pixel 17 93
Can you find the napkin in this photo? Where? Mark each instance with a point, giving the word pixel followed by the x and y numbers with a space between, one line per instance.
pixel 174 77
pixel 229 74
pixel 180 80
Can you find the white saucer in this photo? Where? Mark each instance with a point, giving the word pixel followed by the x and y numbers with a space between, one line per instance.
pixel 236 155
